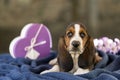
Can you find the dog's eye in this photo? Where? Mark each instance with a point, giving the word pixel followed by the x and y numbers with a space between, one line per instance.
pixel 69 34
pixel 82 34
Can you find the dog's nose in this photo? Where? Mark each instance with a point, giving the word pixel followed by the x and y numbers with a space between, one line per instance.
pixel 75 43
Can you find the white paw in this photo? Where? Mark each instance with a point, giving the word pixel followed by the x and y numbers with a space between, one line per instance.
pixel 46 71
pixel 53 62
pixel 55 68
pixel 81 71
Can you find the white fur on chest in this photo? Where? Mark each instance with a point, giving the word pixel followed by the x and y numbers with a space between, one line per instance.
pixel 75 62
pixel 76 69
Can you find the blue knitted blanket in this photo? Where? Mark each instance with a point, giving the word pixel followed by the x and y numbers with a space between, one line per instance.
pixel 24 69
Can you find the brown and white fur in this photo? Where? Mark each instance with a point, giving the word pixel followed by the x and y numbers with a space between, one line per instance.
pixel 76 52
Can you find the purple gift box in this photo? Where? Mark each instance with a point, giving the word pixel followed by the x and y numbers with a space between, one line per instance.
pixel 34 42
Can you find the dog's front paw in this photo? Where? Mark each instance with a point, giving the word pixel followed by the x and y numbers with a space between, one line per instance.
pixel 46 71
pixel 53 62
pixel 55 68
pixel 81 71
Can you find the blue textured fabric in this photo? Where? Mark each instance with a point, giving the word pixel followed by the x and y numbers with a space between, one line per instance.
pixel 25 69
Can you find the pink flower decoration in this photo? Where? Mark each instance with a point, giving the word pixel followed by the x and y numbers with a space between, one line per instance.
pixel 107 45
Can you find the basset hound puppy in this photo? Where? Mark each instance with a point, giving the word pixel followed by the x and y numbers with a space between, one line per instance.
pixel 76 52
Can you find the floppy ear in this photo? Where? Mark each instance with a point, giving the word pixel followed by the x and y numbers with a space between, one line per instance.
pixel 65 61
pixel 87 58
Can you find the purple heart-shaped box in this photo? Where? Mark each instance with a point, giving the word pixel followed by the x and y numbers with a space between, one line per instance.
pixel 34 41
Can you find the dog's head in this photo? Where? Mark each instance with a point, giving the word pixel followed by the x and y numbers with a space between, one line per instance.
pixel 76 38
pixel 76 41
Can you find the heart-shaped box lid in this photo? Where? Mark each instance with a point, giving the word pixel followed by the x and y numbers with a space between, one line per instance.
pixel 34 42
